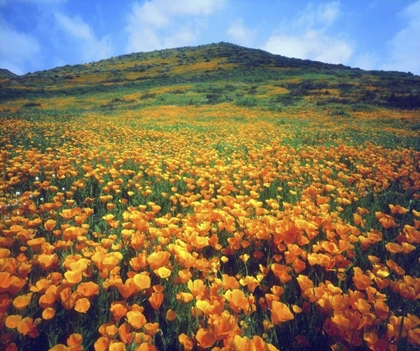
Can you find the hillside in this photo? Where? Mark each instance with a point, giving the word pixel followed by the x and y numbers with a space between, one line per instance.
pixel 212 74
pixel 209 198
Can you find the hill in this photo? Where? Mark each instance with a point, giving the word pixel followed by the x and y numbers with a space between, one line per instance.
pixel 5 74
pixel 250 73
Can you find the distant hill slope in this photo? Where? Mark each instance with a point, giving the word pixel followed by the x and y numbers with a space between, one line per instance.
pixel 217 64
pixel 5 73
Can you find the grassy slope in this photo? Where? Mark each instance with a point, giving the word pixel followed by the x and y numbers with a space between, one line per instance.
pixel 209 75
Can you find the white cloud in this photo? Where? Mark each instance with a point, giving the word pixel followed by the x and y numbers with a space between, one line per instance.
pixel 83 39
pixel 405 45
pixel 181 38
pixel 240 34
pixel 321 16
pixel 18 50
pixel 75 27
pixel 311 45
pixel 367 61
pixel 192 7
pixel 158 24
pixel 150 13
pixel 307 37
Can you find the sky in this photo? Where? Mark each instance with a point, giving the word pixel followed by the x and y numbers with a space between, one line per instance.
pixel 37 35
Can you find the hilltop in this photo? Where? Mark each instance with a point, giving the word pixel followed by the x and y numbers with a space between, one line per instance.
pixel 6 74
pixel 214 74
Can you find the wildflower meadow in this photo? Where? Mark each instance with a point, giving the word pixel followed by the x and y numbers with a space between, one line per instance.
pixel 225 226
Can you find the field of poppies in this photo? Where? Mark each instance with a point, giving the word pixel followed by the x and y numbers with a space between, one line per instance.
pixel 215 227
pixel 209 198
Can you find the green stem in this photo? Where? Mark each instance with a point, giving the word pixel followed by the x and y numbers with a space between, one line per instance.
pixel 399 346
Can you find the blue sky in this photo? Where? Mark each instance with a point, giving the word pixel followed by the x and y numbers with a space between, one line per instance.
pixel 371 34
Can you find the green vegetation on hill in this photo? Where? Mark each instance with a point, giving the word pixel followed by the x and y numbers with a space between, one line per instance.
pixel 250 73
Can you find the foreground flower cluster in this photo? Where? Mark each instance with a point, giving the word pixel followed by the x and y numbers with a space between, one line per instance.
pixel 123 233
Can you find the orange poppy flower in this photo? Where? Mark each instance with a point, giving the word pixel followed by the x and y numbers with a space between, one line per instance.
pixel 370 338
pixel 361 281
pixel 171 315
pixel 136 319
pixel 250 282
pixel 88 289
pixel 280 313
pixel 124 333
pixel 151 328
pixel 4 302
pixel 158 288
pixel 237 300
pixel 118 310
pixel 394 248
pixel 67 298
pixel 393 266
pixel 163 272
pixel 382 310
pixel 277 290
pixel 184 275
pixel 68 214
pixel 49 297
pixel 110 330
pixel 13 320
pixel 414 336
pixel 127 289
pixel 146 346
pixel 156 299
pixel 398 209
pixel 281 272
pixel 101 344
pixel 111 260
pixel 74 339
pixel 407 248
pixel 363 306
pixel 298 265
pixel 139 262
pixel 386 220
pixel 48 313
pixel 158 259
pixel 310 229
pixel 13 284
pixel 40 286
pixel 36 244
pixel 82 305
pixel 22 301
pixel 304 282
pixel 4 253
pixel 184 297
pixel 223 325
pixel 185 341
pixel 26 325
pixel 243 344
pixel 205 338
pixel 47 261
pixel 196 287
pixel 142 281
pixel 98 258
pixel 73 277
pixel 117 346
pixel 229 282
pixel 269 298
